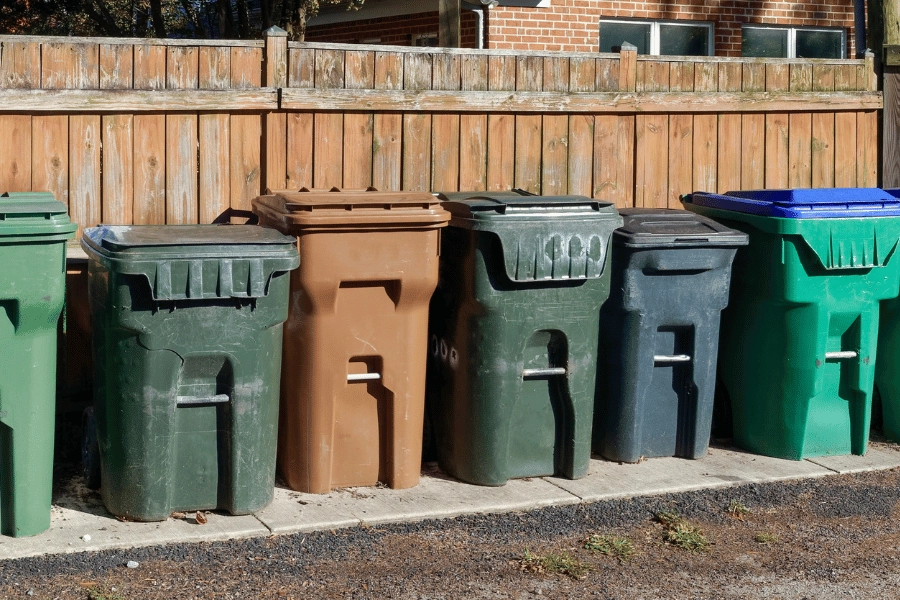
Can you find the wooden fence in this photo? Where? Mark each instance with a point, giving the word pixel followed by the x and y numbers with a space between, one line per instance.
pixel 151 131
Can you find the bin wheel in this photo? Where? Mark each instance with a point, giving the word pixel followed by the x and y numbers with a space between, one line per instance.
pixel 90 450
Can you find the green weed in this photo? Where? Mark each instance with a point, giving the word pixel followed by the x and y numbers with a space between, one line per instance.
pixel 553 562
pixel 611 545
pixel 681 533
pixel 738 509
pixel 767 538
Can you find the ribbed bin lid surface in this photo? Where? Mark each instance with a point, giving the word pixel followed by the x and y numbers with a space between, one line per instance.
pixel 33 213
pixel 335 207
pixel 481 211
pixel 805 203
pixel 670 228
pixel 124 237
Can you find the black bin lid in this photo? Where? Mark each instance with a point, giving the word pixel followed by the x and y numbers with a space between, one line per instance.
pixel 671 228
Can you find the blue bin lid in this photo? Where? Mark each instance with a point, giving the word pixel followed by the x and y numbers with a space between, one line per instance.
pixel 805 203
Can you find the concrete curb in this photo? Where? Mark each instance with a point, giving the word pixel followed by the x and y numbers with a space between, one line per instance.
pixel 80 523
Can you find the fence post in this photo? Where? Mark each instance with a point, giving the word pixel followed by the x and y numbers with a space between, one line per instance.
pixel 274 150
pixel 627 67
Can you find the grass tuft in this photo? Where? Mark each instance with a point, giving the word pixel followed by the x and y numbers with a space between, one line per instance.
pixel 767 538
pixel 553 562
pixel 611 545
pixel 738 509
pixel 679 532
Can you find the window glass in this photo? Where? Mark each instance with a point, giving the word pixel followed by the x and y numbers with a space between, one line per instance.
pixel 767 42
pixel 819 44
pixel 683 40
pixel 613 34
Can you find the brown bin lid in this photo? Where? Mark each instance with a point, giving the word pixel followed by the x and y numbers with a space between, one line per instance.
pixel 351 208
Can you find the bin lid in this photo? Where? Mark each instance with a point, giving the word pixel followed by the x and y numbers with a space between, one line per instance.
pixel 194 262
pixel 34 213
pixel 542 237
pixel 457 196
pixel 805 203
pixel 671 228
pixel 349 208
pixel 118 238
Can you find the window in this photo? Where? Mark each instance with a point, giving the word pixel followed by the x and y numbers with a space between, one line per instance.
pixel 425 39
pixel 793 42
pixel 680 38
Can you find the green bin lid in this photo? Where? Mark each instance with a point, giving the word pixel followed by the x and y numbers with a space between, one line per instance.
pixel 671 228
pixel 194 262
pixel 542 237
pixel 34 214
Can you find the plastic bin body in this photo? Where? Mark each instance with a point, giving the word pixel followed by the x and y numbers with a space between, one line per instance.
pixel 34 228
pixel 187 354
pixel 798 342
pixel 887 374
pixel 514 325
pixel 659 333
pixel 353 387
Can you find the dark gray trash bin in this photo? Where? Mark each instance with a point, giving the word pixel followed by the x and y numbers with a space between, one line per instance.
pixel 659 334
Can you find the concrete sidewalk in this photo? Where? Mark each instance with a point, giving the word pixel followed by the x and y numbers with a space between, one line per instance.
pixel 80 523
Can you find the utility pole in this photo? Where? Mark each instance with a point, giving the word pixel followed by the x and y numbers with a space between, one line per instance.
pixel 448 18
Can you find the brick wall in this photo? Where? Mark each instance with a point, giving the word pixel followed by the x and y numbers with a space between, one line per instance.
pixel 395 31
pixel 572 25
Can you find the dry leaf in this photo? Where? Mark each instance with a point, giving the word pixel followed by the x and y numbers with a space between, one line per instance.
pixel 201 518
pixel 178 515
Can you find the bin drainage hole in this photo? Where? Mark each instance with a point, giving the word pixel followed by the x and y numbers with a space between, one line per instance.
pixel 454 358
pixel 443 350
pixel 434 346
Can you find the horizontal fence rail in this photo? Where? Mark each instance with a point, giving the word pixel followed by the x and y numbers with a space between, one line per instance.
pixel 178 131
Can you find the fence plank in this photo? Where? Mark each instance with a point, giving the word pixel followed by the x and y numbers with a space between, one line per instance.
pixel 214 68
pixel 867 148
pixel 387 151
pixel 581 155
pixel 753 132
pixel 215 182
pixel 181 169
pixel 15 153
pixel 613 159
pixel 416 170
pixel 554 158
pixel 299 150
pixel 501 128
pixel 777 126
pixel 149 67
pixel 116 67
pixel 118 175
pixel 822 151
pixel 473 128
pixel 149 169
pixel 651 188
pixel 681 137
pixel 246 160
pixel 445 133
pixel 84 170
pixel 301 68
pixel 607 75
pixel 705 150
pixel 20 65
pixel 359 73
pixel 70 66
pixel 728 176
pixel 800 132
pixel 50 155
pixel 328 128
pixel 182 68
pixel 529 77
pixel 582 74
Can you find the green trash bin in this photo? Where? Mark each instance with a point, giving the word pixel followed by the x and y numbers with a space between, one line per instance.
pixel 513 335
pixel 798 339
pixel 34 228
pixel 187 360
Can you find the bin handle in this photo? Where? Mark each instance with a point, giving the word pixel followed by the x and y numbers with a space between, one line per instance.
pixel 225 217
pixel 842 355
pixel 548 372
pixel 671 358
pixel 192 400
pixel 363 377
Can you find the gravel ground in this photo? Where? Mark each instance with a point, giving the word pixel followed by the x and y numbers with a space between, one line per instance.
pixel 836 537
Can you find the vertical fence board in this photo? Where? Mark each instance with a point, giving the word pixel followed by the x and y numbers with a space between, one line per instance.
pixel 845 157
pixel 118 175
pixel 473 128
pixel 15 153
pixel 445 133
pixel 246 68
pixel 116 66
pixel 246 160
pixel 681 137
pixel 20 65
pixel 181 169
pixel 529 78
pixel 215 183
pixel 149 67
pixel 387 148
pixel 581 155
pixel 800 132
pixel 555 131
pixel 867 148
pixel 416 172
pixel 50 155
pixel 607 75
pixel 300 150
pixel 149 169
pixel 84 170
pixel 728 154
pixel 328 128
pixel 214 68
pixel 822 151
pixel 501 127
pixel 705 142
pixel 753 132
pixel 652 141
pixel 582 74
pixel 301 67
pixel 182 67
pixel 359 73
pixel 777 80
pixel 70 66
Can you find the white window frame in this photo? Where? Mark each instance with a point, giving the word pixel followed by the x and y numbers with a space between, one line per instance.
pixel 792 35
pixel 654 30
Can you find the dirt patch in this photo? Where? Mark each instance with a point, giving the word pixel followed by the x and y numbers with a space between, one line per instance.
pixel 832 537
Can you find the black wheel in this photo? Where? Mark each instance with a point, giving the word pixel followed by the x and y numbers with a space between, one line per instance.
pixel 90 449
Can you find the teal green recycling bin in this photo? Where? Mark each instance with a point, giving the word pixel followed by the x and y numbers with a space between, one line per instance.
pixel 34 228
pixel 799 336
pixel 187 362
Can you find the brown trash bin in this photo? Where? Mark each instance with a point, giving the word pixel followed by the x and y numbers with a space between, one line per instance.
pixel 355 342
